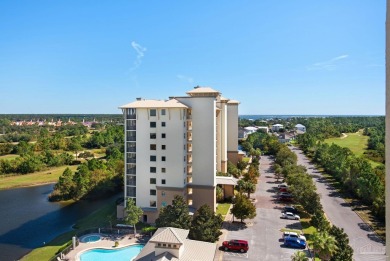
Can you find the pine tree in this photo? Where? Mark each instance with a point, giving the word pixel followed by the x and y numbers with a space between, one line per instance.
pixel 243 208
pixel 175 215
pixel 205 225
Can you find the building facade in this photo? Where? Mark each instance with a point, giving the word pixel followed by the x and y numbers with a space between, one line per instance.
pixel 176 146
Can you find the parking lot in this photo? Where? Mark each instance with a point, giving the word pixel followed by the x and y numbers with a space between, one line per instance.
pixel 263 232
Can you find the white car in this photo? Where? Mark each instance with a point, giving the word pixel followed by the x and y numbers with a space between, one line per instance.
pixel 293 234
pixel 289 215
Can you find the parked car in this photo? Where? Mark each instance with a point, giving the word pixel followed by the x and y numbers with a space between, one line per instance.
pixel 283 189
pixel 285 198
pixel 293 235
pixel 282 186
pixel 289 215
pixel 236 245
pixel 294 242
pixel 290 209
pixel 287 194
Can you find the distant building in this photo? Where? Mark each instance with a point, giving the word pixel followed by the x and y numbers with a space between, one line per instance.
pixel 276 127
pixel 172 244
pixel 300 128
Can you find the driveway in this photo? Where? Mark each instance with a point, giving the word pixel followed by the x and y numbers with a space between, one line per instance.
pixel 263 232
pixel 366 245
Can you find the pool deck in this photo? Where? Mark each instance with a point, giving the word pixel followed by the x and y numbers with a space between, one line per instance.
pixel 107 243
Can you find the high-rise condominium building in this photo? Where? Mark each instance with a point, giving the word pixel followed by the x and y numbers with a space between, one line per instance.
pixel 176 146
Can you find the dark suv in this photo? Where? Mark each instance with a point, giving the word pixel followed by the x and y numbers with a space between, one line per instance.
pixel 290 209
pixel 236 245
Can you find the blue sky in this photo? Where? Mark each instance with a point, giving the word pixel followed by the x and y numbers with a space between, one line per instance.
pixel 275 57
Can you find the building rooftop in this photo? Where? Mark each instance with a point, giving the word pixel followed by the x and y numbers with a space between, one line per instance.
pixel 203 91
pixel 233 102
pixel 170 235
pixel 222 180
pixel 140 103
pixel 193 250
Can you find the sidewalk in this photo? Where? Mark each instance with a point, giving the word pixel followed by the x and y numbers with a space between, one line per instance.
pixel 226 224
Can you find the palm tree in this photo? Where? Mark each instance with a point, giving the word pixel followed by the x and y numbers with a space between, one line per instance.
pixel 317 242
pixel 324 244
pixel 330 246
pixel 299 256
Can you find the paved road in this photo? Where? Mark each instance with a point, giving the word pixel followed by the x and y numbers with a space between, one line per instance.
pixel 366 245
pixel 263 232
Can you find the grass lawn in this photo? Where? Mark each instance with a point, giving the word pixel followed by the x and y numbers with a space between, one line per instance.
pixel 356 142
pixel 46 176
pixel 223 209
pixel 99 218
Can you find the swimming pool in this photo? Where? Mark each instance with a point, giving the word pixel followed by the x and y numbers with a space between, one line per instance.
pixel 120 254
pixel 90 238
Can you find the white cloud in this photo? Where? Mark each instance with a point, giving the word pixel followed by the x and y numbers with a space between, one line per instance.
pixel 328 65
pixel 185 78
pixel 140 53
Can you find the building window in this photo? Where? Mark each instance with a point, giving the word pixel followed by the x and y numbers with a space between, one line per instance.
pixel 152 181
pixel 169 245
pixel 163 135
pixel 163 193
pixel 164 245
pixel 163 147
pixel 158 244
pixel 153 135
pixel 152 169
pixel 152 124
pixel 163 158
pixel 163 124
pixel 152 112
pixel 153 192
pixel 131 191
pixel 163 170
pixel 153 146
pixel 163 112
pixel 163 181
pixel 153 203
pixel 152 158
pixel 163 204
pixel 184 135
pixel 184 158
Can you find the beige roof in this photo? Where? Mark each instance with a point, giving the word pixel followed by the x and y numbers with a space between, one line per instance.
pixel 170 235
pixel 233 102
pixel 193 250
pixel 198 90
pixel 172 103
pixel 221 180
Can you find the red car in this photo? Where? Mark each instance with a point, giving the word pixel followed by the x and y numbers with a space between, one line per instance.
pixel 236 245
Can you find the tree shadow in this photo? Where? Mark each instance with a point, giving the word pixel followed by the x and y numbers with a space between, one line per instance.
pixel 234 226
pixel 295 225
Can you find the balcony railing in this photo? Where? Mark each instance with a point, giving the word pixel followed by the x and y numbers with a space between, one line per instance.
pixel 132 160
pixel 131 127
pixel 131 138
pixel 131 116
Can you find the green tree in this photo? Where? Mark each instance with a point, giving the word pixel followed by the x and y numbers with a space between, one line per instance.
pixel 206 225
pixel 344 251
pixel 65 184
pixel 243 207
pixel 132 213
pixel 74 144
pixel 246 186
pixel 175 215
pixel 219 193
pixel 299 256
pixel 324 244
pixel 319 221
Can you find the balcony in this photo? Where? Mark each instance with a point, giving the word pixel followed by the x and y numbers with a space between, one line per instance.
pixel 189 170
pixel 189 180
pixel 131 138
pixel 189 160
pixel 131 116
pixel 130 127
